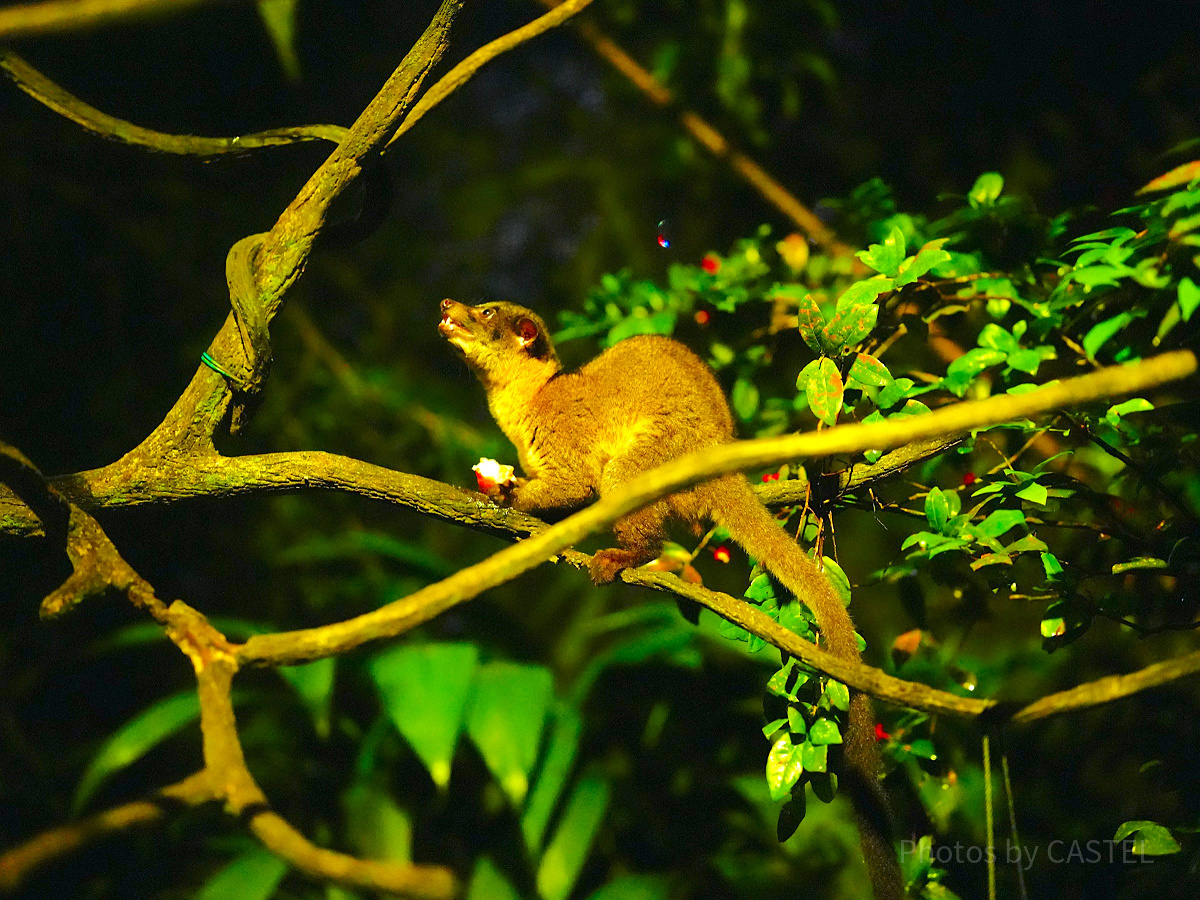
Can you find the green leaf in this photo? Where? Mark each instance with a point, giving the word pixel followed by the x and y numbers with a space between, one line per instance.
pixel 824 784
pixel 1141 562
pixel 812 323
pixel 930 257
pixel 991 559
pixel 996 338
pixel 837 579
pixel 1177 176
pixel 1052 567
pixel 824 731
pixel 937 509
pixel 720 355
pixel 869 371
pixel 775 724
pixel 662 322
pixel 806 375
pixel 135 739
pixel 487 883
pixel 572 842
pixel 849 325
pixel 1152 839
pixel 634 887
pixel 974 361
pixel 1134 405
pixel 253 875
pixel 894 393
pixel 744 399
pixel 790 817
pixel 1034 493
pixel 986 189
pixel 815 757
pixel 1189 297
pixel 313 682
pixel 862 293
pixel 885 258
pixel 562 746
pixel 505 719
pixel 922 747
pixel 825 391
pixel 761 589
pixel 1101 333
pixel 999 522
pixel 279 17
pixel 424 689
pixel 838 695
pixel 376 826
pixel 783 767
pixel 1027 544
pixel 1029 360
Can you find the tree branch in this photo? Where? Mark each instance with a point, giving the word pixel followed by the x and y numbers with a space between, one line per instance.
pixel 243 797
pixel 465 70
pixel 66 104
pixel 17 864
pixel 56 16
pixel 121 485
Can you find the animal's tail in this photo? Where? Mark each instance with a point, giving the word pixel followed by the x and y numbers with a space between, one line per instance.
pixel 731 502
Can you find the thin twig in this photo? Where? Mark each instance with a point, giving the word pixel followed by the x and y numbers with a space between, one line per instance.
pixel 465 70
pixel 712 140
pixel 66 104
pixel 17 864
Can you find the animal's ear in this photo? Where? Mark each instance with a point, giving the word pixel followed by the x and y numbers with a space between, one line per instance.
pixel 527 331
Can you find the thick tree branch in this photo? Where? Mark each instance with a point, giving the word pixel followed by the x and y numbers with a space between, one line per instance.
pixel 244 798
pixel 271 263
pixel 122 485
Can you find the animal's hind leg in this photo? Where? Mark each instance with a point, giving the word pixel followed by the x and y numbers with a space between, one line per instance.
pixel 640 534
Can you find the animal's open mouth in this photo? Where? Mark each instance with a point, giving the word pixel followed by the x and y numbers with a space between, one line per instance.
pixel 451 330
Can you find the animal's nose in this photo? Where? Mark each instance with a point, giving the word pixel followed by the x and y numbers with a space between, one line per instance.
pixel 446 304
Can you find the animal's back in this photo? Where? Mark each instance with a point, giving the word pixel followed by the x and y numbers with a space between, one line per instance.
pixel 658 378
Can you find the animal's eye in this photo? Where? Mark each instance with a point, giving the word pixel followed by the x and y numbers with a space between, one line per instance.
pixel 488 313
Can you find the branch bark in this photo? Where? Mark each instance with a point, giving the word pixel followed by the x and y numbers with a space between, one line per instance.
pixel 58 16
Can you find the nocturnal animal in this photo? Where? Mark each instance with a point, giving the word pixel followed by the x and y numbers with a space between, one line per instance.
pixel 642 403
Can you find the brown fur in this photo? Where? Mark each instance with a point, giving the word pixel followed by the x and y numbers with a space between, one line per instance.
pixel 640 404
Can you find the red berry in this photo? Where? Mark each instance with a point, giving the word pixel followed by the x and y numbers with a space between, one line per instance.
pixel 702 317
pixel 711 263
pixel 969 479
pixel 880 734
pixel 721 554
